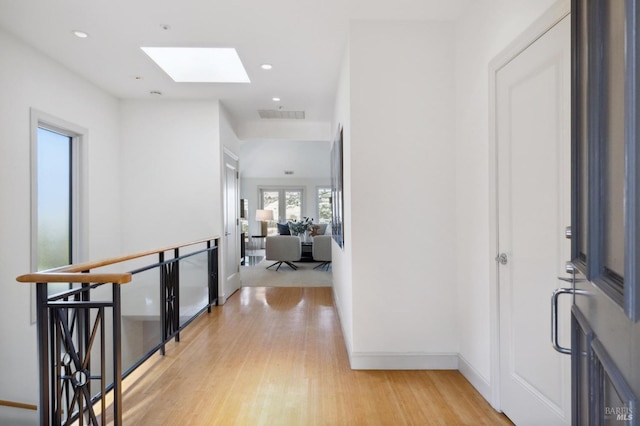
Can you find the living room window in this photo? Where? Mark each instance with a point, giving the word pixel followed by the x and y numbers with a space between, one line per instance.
pixel 286 203
pixel 324 204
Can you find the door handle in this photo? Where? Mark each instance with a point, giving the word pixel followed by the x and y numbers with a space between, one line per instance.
pixel 554 316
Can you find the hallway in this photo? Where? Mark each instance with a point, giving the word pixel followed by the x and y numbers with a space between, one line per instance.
pixel 276 356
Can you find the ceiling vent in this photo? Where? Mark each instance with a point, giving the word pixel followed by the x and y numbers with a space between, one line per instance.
pixel 280 114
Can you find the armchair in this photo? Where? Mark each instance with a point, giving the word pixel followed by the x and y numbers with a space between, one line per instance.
pixel 283 249
pixel 322 250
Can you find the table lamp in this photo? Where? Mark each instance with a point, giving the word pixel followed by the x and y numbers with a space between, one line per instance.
pixel 263 216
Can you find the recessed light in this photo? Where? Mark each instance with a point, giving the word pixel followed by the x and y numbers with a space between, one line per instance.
pixel 80 34
pixel 155 93
pixel 199 64
pixel 275 99
pixel 138 77
pixel 165 27
pixel 266 66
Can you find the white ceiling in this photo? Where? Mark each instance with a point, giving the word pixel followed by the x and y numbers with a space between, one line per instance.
pixel 303 39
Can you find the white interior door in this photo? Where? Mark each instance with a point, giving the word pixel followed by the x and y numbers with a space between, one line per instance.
pixel 533 186
pixel 231 248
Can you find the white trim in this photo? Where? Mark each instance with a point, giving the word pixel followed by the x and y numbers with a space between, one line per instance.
pixel 403 361
pixel 79 196
pixel 543 24
pixel 230 279
pixel 227 151
pixel 341 321
pixel 473 376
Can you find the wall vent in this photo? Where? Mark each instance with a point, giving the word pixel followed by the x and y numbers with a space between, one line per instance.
pixel 280 114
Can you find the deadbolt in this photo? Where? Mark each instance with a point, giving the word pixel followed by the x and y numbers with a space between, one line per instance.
pixel 569 268
pixel 567 232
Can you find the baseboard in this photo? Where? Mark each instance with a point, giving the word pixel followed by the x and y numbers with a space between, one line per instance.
pixel 403 361
pixel 338 307
pixel 415 361
pixel 474 377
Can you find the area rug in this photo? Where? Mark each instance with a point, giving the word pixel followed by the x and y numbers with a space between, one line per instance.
pixel 305 276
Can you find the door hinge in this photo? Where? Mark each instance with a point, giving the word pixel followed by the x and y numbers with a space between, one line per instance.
pixel 502 258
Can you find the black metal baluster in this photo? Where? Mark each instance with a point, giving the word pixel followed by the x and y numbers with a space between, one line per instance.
pixel 176 290
pixel 42 316
pixel 117 360
pixel 103 372
pixel 163 303
pixel 213 289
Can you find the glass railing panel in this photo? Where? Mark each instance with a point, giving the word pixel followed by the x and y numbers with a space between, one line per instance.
pixel 194 285
pixel 141 329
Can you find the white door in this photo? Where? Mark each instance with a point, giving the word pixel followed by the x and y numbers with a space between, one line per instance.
pixel 231 247
pixel 533 186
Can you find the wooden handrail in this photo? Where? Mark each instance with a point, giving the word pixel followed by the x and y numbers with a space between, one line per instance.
pixel 73 273
pixel 74 277
pixel 18 405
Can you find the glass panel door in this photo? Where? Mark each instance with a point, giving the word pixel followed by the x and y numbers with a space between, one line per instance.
pixel 293 207
pixel 613 143
pixel 271 201
pixel 287 205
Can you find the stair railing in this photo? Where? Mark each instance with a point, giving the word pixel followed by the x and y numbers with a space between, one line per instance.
pixel 81 338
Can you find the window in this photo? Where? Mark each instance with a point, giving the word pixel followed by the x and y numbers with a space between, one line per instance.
pixel 286 204
pixel 54 200
pixel 55 193
pixel 324 205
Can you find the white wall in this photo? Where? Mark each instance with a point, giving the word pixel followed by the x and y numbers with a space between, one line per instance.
pixel 401 196
pixel 270 159
pixel 28 79
pixel 171 182
pixel 341 263
pixel 483 31
pixel 228 137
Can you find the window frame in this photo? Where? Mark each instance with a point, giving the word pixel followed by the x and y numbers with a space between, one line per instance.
pixel 78 138
pixel 281 198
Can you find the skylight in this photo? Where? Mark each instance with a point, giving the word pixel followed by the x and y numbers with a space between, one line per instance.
pixel 199 64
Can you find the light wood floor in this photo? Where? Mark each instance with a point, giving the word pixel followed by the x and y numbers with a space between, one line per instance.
pixel 276 356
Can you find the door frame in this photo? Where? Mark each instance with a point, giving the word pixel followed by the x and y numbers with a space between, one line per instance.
pixel 548 20
pixel 222 291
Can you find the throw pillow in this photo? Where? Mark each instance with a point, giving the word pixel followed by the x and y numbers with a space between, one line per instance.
pixel 283 229
pixel 322 228
pixel 329 230
pixel 315 230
